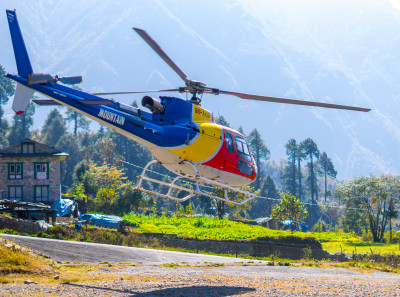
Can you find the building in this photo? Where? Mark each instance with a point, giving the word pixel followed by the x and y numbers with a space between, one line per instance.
pixel 30 172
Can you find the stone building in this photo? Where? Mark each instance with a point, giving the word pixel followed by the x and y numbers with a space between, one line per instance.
pixel 30 171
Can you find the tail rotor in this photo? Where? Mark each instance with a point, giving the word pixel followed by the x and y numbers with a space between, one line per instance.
pixel 41 78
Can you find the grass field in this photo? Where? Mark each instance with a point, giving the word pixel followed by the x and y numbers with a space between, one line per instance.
pixel 211 228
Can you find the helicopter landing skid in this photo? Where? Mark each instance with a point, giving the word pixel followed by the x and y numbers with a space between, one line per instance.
pixel 191 192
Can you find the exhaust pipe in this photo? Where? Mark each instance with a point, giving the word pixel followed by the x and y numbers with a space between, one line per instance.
pixel 153 104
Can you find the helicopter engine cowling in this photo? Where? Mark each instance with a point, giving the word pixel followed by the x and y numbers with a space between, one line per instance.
pixel 153 104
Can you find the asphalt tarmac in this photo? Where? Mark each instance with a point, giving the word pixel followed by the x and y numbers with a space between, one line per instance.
pixel 74 251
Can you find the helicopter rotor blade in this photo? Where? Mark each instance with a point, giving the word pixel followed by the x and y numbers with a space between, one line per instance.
pixel 286 101
pixel 150 41
pixel 139 92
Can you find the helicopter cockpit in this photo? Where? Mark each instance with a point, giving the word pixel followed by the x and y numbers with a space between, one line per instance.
pixel 238 154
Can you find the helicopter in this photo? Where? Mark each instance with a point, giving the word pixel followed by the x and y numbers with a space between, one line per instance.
pixel 180 134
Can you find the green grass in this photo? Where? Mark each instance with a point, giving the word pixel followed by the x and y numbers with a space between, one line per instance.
pixel 212 228
pixel 203 227
pixel 361 247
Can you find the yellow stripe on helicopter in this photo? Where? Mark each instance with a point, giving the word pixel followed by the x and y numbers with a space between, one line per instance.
pixel 208 141
pixel 205 146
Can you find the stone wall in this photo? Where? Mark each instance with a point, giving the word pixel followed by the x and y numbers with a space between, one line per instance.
pixel 22 226
pixel 238 247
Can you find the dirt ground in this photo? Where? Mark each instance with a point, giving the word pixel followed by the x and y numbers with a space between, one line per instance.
pixel 210 280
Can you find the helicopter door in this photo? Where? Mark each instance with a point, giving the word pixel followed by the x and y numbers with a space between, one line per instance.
pixel 244 153
pixel 230 156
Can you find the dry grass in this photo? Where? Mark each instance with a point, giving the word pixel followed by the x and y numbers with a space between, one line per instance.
pixel 15 260
pixel 18 265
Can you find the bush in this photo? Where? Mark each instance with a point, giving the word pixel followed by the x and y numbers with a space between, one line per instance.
pixel 395 237
pixel 367 235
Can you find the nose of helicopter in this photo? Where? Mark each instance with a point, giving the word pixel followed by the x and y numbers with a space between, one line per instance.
pixel 255 168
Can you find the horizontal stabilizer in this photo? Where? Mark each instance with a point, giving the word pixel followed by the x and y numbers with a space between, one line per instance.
pixel 45 102
pixel 49 102
pixel 70 80
pixel 95 101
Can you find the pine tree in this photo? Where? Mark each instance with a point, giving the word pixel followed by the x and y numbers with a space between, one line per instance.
pixel 22 123
pixel 289 172
pixel 259 150
pixel 327 169
pixel 7 89
pixel 53 128
pixel 270 191
pixel 69 143
pixel 300 154
pixel 311 150
pixel 221 121
pixel 79 120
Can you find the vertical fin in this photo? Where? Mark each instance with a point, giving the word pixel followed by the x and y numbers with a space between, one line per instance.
pixel 21 55
pixel 21 98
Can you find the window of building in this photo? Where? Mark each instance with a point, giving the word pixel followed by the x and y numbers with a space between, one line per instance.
pixel 28 148
pixel 15 170
pixel 41 170
pixel 41 193
pixel 229 143
pixel 15 192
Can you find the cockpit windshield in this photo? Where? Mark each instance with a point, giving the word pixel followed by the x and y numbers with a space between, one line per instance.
pixel 242 148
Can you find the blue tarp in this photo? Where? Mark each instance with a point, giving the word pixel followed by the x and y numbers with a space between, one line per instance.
pixel 103 220
pixel 297 226
pixel 64 207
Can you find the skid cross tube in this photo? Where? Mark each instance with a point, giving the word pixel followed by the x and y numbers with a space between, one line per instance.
pixel 191 192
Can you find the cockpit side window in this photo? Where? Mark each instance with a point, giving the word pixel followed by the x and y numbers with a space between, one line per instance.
pixel 229 143
pixel 242 148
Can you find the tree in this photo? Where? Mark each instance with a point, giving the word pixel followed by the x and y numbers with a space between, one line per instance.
pixel 22 123
pixel 289 208
pixel 128 200
pixel 260 151
pixel 289 171
pixel 79 120
pixel 311 150
pixel 393 213
pixel 300 156
pixel 375 197
pixel 221 121
pixel 261 207
pixel 108 151
pixel 108 182
pixel 131 152
pixel 237 211
pixel 53 128
pixel 327 169
pixel 69 143
pixel 7 89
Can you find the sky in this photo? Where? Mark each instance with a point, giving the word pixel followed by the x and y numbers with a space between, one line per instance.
pixel 331 51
